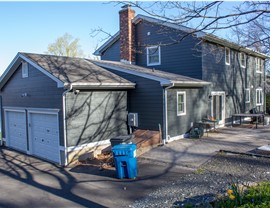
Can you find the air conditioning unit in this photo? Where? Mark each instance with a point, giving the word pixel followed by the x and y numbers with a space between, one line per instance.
pixel 133 119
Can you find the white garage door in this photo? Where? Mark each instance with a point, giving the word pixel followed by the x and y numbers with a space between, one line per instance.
pixel 15 124
pixel 44 135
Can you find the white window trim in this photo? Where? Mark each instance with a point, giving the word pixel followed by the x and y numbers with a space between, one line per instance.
pixel 261 103
pixel 24 69
pixel 247 90
pixel 185 103
pixel 159 55
pixel 227 63
pixel 258 65
pixel 240 59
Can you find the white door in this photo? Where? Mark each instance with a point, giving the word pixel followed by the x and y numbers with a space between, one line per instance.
pixel 44 135
pixel 218 106
pixel 15 125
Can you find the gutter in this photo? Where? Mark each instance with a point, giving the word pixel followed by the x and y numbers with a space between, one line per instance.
pixel 165 140
pixel 64 122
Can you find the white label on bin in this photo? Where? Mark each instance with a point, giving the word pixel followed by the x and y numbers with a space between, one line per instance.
pixel 134 153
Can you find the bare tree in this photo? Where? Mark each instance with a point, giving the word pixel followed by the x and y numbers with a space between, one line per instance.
pixel 212 17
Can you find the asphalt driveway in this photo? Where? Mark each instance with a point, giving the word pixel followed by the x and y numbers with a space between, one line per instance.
pixel 26 181
pixel 30 182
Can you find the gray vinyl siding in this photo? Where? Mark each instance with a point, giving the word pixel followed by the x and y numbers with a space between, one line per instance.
pixel 41 90
pixel 93 116
pixel 112 53
pixel 146 100
pixel 196 109
pixel 180 57
pixel 232 79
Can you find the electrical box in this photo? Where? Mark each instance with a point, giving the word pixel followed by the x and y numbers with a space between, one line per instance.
pixel 133 119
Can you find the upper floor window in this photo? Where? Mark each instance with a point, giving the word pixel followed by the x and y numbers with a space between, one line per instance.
pixel 181 103
pixel 259 97
pixel 24 69
pixel 259 65
pixel 227 56
pixel 247 95
pixel 242 59
pixel 153 55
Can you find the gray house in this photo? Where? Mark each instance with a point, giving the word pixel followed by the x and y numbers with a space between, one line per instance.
pixel 236 74
pixel 58 107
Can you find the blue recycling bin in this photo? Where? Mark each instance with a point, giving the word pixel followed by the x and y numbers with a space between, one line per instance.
pixel 125 160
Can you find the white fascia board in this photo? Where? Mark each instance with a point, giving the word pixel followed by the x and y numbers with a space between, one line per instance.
pixel 107 44
pixel 224 42
pixel 60 84
pixel 162 81
pixel 9 67
pixel 103 85
pixel 191 84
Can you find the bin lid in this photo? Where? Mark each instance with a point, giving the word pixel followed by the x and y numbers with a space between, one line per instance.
pixel 123 149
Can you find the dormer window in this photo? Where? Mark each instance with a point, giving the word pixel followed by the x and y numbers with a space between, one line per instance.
pixel 153 55
pixel 227 56
pixel 242 59
pixel 24 69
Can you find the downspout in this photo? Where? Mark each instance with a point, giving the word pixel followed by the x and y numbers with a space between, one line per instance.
pixel 64 122
pixel 264 90
pixel 166 112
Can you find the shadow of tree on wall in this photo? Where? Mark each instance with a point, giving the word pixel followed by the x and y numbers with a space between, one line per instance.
pixel 25 170
pixel 229 78
pixel 95 116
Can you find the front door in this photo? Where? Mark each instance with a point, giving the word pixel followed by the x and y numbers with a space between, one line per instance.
pixel 218 106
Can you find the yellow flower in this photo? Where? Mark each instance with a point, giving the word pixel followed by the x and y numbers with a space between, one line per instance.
pixel 232 197
pixel 230 191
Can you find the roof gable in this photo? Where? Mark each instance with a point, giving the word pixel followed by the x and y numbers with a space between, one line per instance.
pixel 67 71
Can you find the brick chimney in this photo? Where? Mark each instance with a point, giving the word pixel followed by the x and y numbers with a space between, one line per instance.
pixel 127 35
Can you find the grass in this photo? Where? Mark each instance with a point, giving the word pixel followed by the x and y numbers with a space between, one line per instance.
pixel 250 197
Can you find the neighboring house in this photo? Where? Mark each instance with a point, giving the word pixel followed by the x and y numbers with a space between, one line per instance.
pixel 236 73
pixel 58 107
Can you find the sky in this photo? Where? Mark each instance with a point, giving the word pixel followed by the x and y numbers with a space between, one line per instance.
pixel 32 26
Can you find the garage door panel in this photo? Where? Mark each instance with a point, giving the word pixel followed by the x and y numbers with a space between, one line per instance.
pixel 45 136
pixel 16 130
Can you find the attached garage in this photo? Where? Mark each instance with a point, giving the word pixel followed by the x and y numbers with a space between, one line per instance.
pixel 33 131
pixel 56 107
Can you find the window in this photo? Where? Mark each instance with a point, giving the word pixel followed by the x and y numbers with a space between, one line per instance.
pixel 247 95
pixel 227 56
pixel 24 70
pixel 259 65
pixel 153 55
pixel 242 59
pixel 259 97
pixel 181 103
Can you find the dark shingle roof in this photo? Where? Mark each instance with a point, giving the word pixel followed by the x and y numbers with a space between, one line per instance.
pixel 165 78
pixel 74 70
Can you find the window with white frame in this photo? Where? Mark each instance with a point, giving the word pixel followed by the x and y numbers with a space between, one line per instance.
pixel 24 69
pixel 247 95
pixel 259 65
pixel 259 97
pixel 153 55
pixel 227 56
pixel 242 59
pixel 181 103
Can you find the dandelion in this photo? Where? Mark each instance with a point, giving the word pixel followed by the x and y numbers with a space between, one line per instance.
pixel 230 191
pixel 232 197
